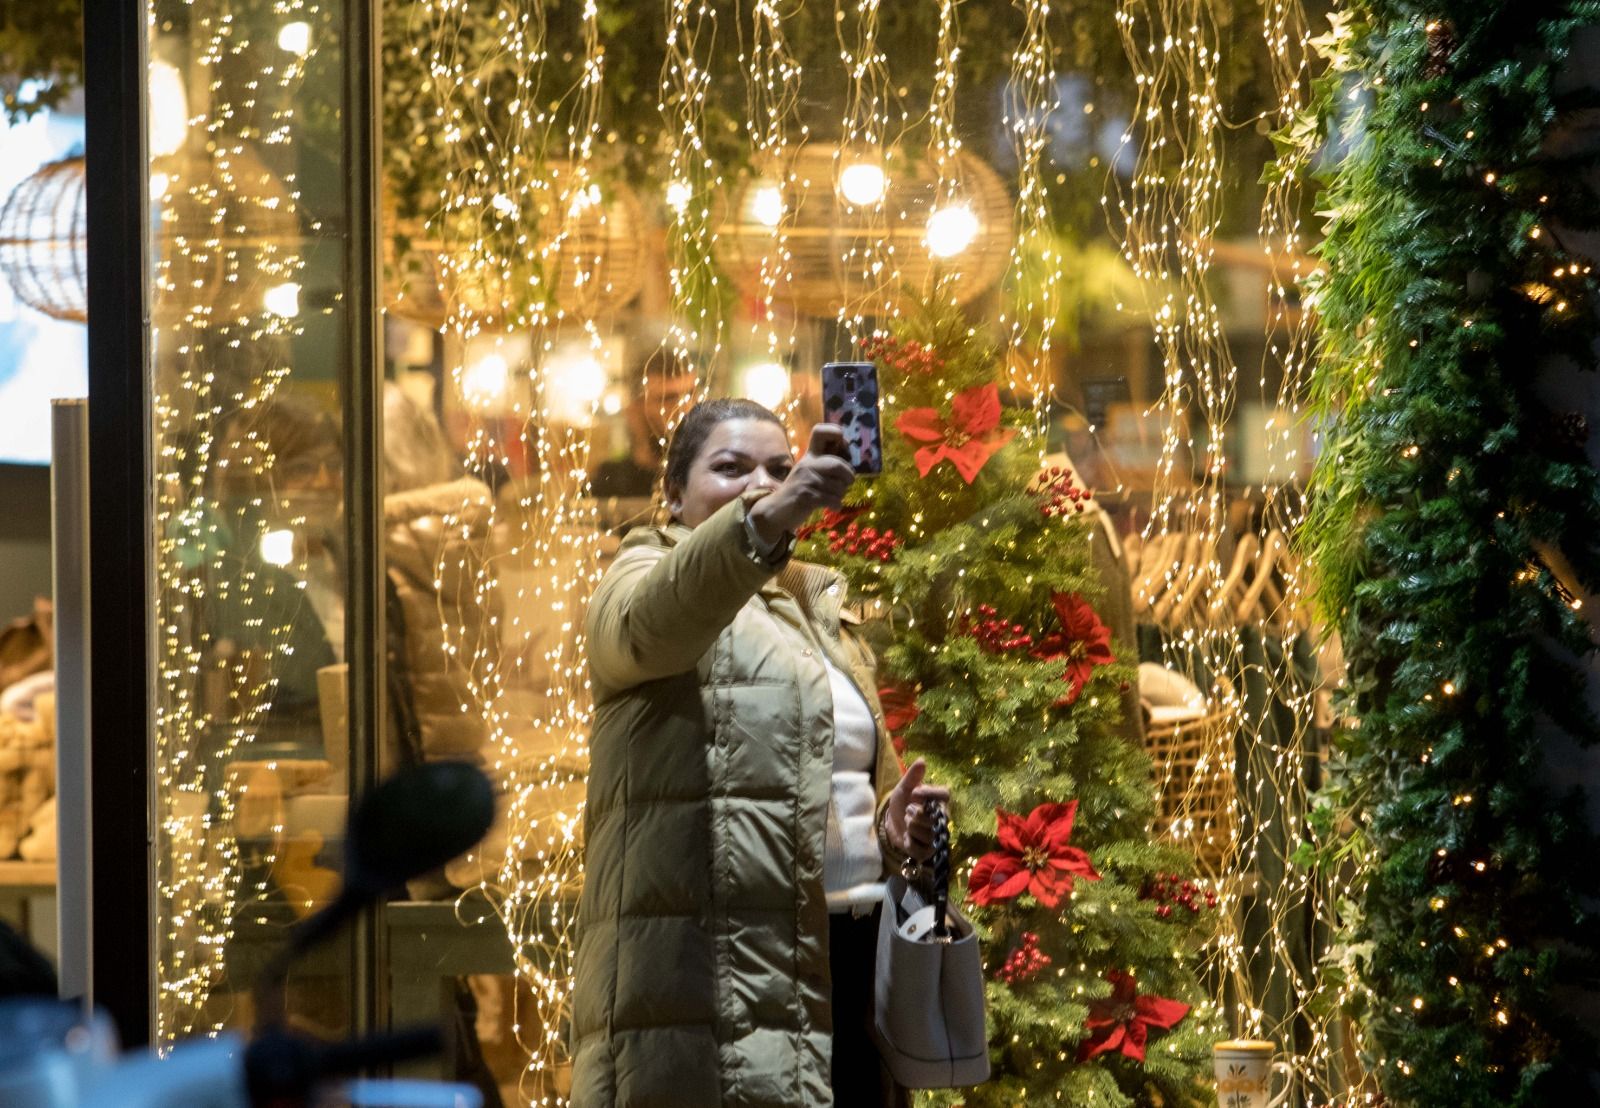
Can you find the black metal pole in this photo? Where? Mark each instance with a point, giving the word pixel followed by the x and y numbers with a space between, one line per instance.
pixel 120 633
pixel 364 630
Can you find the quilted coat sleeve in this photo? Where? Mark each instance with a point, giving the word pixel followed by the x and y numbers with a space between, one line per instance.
pixel 658 610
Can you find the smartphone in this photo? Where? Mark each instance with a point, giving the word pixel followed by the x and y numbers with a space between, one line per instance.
pixel 850 399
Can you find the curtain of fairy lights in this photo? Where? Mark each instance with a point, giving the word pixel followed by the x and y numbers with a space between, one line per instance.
pixel 525 204
pixel 869 273
pixel 1169 212
pixel 1264 959
pixel 772 91
pixel 560 548
pixel 1334 1046
pixel 1030 319
pixel 694 184
pixel 944 144
pixel 1284 242
pixel 225 302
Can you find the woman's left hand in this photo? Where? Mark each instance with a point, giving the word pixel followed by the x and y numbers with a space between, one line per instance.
pixel 906 821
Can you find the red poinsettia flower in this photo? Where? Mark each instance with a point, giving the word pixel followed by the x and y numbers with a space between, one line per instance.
pixel 968 439
pixel 1122 1021
pixel 899 712
pixel 1083 641
pixel 1034 857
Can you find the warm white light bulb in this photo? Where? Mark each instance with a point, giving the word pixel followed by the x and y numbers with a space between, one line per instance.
pixel 282 300
pixel 574 384
pixel 295 37
pixel 485 382
pixel 169 109
pixel 678 195
pixel 277 548
pixel 863 184
pixel 766 205
pixel 951 230
pixel 767 384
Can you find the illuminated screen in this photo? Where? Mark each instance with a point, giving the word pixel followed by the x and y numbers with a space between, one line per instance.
pixel 40 358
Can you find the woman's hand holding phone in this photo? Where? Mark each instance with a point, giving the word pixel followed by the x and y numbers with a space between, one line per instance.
pixel 819 480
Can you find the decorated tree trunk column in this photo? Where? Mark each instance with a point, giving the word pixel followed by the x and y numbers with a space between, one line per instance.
pixel 1000 673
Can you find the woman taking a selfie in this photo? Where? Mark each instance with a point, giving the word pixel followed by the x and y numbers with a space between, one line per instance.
pixel 743 799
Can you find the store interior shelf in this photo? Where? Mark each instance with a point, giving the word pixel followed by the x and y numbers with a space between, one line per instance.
pixel 21 875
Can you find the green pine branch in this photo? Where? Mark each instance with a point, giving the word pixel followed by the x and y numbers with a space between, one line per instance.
pixel 1446 494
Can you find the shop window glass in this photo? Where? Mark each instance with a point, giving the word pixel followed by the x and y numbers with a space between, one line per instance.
pixel 247 377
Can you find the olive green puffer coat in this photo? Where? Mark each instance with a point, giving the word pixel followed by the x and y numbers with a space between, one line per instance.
pixel 702 959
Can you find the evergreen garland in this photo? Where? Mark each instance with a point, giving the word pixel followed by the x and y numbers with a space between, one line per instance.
pixel 968 577
pixel 1448 498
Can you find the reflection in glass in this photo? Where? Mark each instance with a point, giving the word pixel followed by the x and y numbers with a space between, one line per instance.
pixel 249 598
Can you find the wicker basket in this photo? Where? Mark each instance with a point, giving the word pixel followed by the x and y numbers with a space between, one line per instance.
pixel 1197 806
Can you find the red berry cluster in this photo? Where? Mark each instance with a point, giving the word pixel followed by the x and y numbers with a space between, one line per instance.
pixel 993 633
pixel 903 357
pixel 1024 963
pixel 1170 891
pixel 1058 493
pixel 868 542
pixel 830 520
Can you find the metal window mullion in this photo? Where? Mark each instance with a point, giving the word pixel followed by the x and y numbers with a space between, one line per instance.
pixel 364 630
pixel 121 629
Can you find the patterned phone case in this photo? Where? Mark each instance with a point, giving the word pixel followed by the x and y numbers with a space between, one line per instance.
pixel 850 399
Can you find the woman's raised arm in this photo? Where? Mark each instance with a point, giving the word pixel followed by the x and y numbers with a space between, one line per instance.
pixel 657 611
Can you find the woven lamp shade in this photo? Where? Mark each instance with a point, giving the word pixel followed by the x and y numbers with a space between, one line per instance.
pixel 828 237
pixel 43 237
pixel 597 267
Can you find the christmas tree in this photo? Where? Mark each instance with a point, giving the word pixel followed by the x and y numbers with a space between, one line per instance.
pixel 999 673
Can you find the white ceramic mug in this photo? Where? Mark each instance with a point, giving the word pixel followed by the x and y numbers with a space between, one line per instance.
pixel 1244 1069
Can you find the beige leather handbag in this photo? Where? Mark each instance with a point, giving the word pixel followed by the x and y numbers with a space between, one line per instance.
pixel 928 1018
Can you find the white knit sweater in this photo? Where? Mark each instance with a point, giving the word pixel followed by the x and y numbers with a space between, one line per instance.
pixel 852 865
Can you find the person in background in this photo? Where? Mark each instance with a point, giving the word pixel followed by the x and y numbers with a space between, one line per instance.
pixel 436 522
pixel 666 381
pixel 436 535
pixel 744 799
pixel 280 606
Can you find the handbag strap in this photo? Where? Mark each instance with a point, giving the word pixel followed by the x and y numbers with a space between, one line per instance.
pixel 939 867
